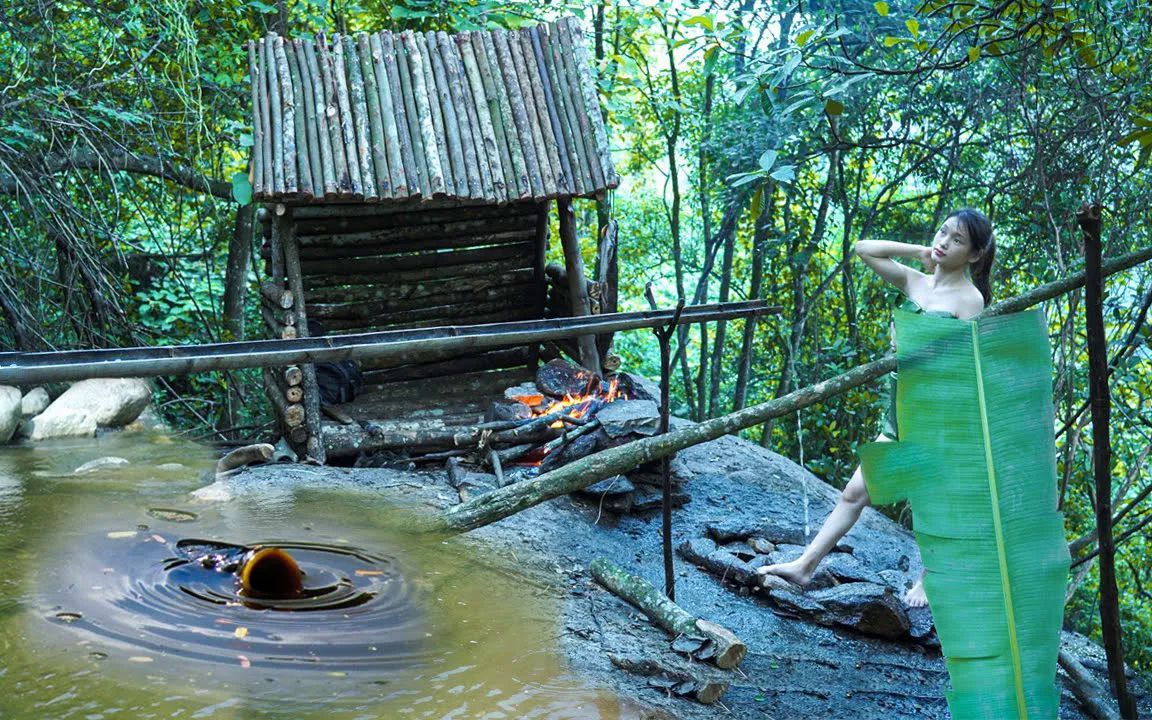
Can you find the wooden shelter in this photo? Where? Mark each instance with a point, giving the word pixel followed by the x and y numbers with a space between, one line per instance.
pixel 407 180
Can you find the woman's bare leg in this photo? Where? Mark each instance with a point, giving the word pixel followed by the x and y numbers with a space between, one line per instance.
pixel 853 499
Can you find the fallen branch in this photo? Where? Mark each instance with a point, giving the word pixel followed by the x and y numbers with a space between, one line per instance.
pixel 1092 697
pixel 682 683
pixel 242 456
pixel 726 650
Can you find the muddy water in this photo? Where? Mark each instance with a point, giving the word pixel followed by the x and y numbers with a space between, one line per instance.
pixel 100 618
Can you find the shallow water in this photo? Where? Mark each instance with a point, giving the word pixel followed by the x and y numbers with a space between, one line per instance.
pixel 98 622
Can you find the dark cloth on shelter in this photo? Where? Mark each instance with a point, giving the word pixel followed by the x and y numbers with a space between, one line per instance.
pixel 339 382
pixel 888 425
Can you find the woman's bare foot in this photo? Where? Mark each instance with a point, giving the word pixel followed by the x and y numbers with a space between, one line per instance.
pixel 915 596
pixel 795 571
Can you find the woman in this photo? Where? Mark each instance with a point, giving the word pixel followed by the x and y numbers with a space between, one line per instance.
pixel 956 284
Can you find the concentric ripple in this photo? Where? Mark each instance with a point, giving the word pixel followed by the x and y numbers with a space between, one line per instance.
pixel 182 598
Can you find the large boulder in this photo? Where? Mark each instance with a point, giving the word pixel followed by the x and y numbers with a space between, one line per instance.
pixel 9 412
pixel 35 402
pixel 92 403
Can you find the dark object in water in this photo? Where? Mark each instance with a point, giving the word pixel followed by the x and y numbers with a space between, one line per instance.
pixel 271 573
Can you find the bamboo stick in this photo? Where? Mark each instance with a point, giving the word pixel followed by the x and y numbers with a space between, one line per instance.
pixel 288 115
pixel 560 143
pixel 455 151
pixel 537 118
pixel 521 188
pixel 277 113
pixel 389 347
pixel 415 132
pixel 504 182
pixel 323 179
pixel 398 181
pixel 407 144
pixel 487 121
pixel 359 107
pixel 477 107
pixel 595 116
pixel 375 118
pixel 519 111
pixel 567 113
pixel 583 96
pixel 332 117
pixel 347 121
pixel 315 446
pixel 299 112
pixel 257 123
pixel 261 80
pixel 458 85
pixel 432 93
pixel 426 126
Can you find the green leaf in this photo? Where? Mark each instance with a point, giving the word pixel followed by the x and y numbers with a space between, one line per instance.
pixel 973 54
pixel 710 57
pixel 803 37
pixel 768 159
pixel 889 41
pixel 784 173
pixel 833 107
pixel 976 462
pixel 704 21
pixel 881 8
pixel 913 27
pixel 757 204
pixel 241 188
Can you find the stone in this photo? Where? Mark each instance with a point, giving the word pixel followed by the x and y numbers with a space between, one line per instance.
pixel 629 417
pixel 867 607
pixel 509 410
pixel 638 387
pixel 59 424
pixel 10 415
pixel 525 393
pixel 613 494
pixel 34 402
pixel 98 464
pixel 648 498
pixel 761 546
pixel 848 568
pixel 111 402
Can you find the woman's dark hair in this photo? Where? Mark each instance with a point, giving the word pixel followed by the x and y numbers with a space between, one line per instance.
pixel 979 229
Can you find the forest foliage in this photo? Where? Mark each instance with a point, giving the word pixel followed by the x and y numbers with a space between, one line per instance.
pixel 756 141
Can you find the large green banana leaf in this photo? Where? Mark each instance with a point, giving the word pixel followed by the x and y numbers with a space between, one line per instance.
pixel 976 462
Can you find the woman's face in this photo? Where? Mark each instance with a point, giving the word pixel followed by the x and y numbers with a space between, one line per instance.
pixel 951 247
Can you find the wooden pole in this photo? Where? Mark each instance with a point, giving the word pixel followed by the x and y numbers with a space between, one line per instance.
pixel 579 102
pixel 315 445
pixel 322 176
pixel 519 187
pixel 482 132
pixel 432 95
pixel 519 112
pixel 340 73
pixel 577 285
pixel 425 125
pixel 288 114
pixel 549 102
pixel 415 133
pixel 398 181
pixel 300 124
pixel 393 61
pixel 331 111
pixel 730 650
pixel 458 88
pixel 454 151
pixel 592 103
pixel 377 147
pixel 503 175
pixel 581 174
pixel 358 105
pixel 276 111
pixel 537 116
pixel 257 122
pixel 1088 218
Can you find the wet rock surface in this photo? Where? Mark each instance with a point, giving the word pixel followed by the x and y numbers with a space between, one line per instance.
pixel 845 647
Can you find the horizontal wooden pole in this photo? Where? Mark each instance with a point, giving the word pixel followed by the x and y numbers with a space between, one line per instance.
pixel 389 345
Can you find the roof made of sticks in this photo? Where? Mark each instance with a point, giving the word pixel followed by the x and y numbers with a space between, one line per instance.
pixel 499 116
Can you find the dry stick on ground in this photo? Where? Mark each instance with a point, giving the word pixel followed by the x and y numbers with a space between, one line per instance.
pixel 1093 698
pixel 705 691
pixel 510 500
pixel 729 650
pixel 1088 217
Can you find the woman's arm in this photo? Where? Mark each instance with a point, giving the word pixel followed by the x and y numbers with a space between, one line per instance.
pixel 878 254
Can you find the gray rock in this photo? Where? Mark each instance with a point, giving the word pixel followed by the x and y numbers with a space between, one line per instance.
pixel 559 378
pixel 98 464
pixel 648 498
pixel 867 607
pixel 629 417
pixel 88 404
pixel 615 485
pixel 9 412
pixel 61 423
pixel 639 387
pixel 848 568
pixel 34 402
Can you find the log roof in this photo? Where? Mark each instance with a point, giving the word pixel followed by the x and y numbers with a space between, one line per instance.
pixel 494 116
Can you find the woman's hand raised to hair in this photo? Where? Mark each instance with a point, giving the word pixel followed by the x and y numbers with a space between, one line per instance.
pixel 925 256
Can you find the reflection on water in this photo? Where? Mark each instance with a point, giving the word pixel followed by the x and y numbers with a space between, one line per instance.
pixel 101 615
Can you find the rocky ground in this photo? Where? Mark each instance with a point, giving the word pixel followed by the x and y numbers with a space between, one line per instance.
pixel 846 650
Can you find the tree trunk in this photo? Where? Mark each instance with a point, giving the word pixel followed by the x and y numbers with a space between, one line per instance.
pixel 747 348
pixel 1088 217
